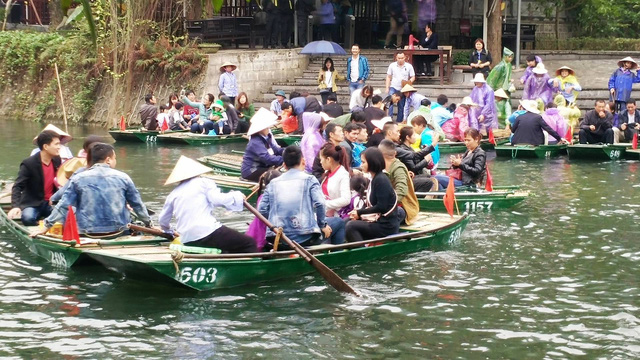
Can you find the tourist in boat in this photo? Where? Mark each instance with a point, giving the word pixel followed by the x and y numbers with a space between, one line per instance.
pixel 100 196
pixel 148 111
pixel 440 113
pixel 74 166
pixel 360 98
pixel 176 120
pixel 327 78
pixel 480 59
pixel 503 106
pixel 335 136
pixel 408 207
pixel 245 107
pixel 276 104
pixel 532 62
pixel 289 121
pixel 374 112
pixel 629 123
pixel 65 153
pixel 418 162
pixel 227 83
pixel 566 84
pixel 621 83
pixel 351 132
pixel 537 86
pixel 335 186
pixel 35 183
pixel 189 113
pixel 425 135
pixel 204 124
pixel 424 110
pixel 597 126
pixel 294 202
pixel 359 146
pixel 454 129
pixel 257 228
pixel 332 108
pixel 380 217
pixel 555 120
pixel 483 116
pixel 192 203
pixel 312 139
pixel 235 126
pixel 162 120
pixel 382 127
pixel 528 128
pixel 357 69
pixel 472 163
pixel 500 75
pixel 412 100
pixel 262 152
pixel 399 73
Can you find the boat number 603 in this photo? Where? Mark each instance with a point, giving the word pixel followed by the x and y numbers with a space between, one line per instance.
pixel 472 206
pixel 198 275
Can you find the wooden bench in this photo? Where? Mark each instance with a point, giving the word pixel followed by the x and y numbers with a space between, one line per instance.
pixel 223 28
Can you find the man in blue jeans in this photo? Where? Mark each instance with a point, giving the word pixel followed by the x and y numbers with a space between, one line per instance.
pixel 294 201
pixel 399 74
pixel 357 69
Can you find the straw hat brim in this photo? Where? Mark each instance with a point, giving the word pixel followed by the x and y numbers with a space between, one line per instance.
pixel 479 78
pixel 227 64
pixel 500 93
pixel 634 64
pixel 408 88
pixel 64 137
pixel 571 71
pixel 185 169
pixel 262 119
pixel 68 168
pixel 530 106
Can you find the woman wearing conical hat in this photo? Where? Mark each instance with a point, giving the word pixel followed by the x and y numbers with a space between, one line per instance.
pixel 621 81
pixel 566 83
pixel 192 202
pixel 537 86
pixel 482 117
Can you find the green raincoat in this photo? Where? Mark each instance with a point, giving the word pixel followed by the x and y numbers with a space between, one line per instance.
pixel 500 76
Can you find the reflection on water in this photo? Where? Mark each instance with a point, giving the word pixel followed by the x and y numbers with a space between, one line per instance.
pixel 552 278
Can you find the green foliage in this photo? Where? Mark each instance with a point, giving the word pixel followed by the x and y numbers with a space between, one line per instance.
pixel 166 57
pixel 461 57
pixel 587 43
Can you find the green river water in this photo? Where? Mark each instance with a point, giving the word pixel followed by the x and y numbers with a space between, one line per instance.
pixel 555 277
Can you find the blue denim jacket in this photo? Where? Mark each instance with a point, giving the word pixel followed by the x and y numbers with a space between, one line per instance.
pixel 100 196
pixel 363 68
pixel 295 202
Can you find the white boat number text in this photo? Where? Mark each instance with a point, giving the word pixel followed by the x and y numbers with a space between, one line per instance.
pixel 472 206
pixel 151 138
pixel 198 275
pixel 455 235
pixel 58 259
pixel 615 154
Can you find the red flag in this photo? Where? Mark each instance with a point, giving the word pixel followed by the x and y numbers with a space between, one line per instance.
pixel 488 186
pixel 165 125
pixel 569 135
pixel 123 125
pixel 634 143
pixel 449 197
pixel 70 231
pixel 491 138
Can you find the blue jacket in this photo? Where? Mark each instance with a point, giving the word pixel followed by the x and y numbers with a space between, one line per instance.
pixel 363 68
pixel 257 154
pixel 622 81
pixel 100 195
pixel 295 202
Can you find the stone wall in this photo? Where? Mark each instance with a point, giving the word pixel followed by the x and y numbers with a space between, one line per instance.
pixel 257 69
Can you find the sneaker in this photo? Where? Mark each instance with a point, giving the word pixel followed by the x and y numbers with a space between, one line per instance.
pixel 387 47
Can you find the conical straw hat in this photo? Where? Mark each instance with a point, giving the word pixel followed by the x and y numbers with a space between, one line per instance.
pixel 64 137
pixel 634 64
pixel 186 168
pixel 407 88
pixel 467 101
pixel 68 168
pixel 500 93
pixel 479 78
pixel 263 119
pixel 530 106
pixel 539 69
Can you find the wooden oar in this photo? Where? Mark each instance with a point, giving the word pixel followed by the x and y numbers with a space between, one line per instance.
pixel 328 274
pixel 151 231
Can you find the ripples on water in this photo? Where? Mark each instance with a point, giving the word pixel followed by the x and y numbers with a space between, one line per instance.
pixel 552 278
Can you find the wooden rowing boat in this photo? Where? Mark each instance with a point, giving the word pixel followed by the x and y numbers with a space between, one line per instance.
pixel 209 272
pixel 188 138
pixel 233 183
pixel 228 164
pixel 66 253
pixel 137 135
pixel 285 140
pixel 529 151
pixel 597 152
pixel 632 154
pixel 471 200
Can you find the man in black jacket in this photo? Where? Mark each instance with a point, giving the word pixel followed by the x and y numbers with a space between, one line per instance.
pixel 629 122
pixel 34 186
pixel 528 127
pixel 597 126
pixel 284 9
pixel 430 42
pixel 272 27
pixel 304 8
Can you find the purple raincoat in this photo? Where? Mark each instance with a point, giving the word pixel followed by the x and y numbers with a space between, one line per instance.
pixel 529 70
pixel 312 140
pixel 537 86
pixel 553 118
pixel 258 230
pixel 483 96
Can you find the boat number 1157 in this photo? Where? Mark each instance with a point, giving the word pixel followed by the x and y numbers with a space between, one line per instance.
pixel 198 275
pixel 472 206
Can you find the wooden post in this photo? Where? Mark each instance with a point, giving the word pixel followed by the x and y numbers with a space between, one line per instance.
pixel 6 14
pixel 64 112
pixel 35 11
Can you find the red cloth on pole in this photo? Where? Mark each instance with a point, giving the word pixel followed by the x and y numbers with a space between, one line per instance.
pixel 70 231
pixel 489 184
pixel 491 138
pixel 569 135
pixel 634 143
pixel 450 197
pixel 123 124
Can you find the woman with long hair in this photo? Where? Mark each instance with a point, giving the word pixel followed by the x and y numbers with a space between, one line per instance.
pixel 472 163
pixel 327 80
pixel 480 59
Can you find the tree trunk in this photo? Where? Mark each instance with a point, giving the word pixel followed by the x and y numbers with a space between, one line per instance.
pixel 557 24
pixel 494 31
pixel 55 14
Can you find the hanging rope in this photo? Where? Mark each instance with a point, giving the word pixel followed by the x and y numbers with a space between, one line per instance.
pixel 177 257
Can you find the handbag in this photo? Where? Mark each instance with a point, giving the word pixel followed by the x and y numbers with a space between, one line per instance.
pixel 456 173
pixel 376 216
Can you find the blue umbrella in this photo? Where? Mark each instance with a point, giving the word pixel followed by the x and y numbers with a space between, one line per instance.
pixel 323 47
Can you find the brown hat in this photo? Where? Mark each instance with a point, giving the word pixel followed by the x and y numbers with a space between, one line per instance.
pixel 571 72
pixel 68 168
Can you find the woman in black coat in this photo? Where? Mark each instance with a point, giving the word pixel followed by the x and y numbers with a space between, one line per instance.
pixel 480 59
pixel 416 161
pixel 472 162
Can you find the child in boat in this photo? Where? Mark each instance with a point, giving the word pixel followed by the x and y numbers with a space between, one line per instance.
pixel 358 185
pixel 219 114
pixel 566 84
pixel 289 121
pixel 257 229
pixel 454 128
pixel 163 118
pixel 359 146
pixel 176 122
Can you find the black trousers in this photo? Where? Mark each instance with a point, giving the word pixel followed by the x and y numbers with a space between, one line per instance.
pixel 422 183
pixel 286 28
pixel 255 176
pixel 227 240
pixel 272 29
pixel 303 23
pixel 587 137
pixel 359 230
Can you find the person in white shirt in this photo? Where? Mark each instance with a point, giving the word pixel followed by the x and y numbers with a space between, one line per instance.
pixel 361 98
pixel 357 69
pixel 399 74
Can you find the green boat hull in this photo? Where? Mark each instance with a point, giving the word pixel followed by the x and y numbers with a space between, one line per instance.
pixel 596 152
pixel 631 154
pixel 476 203
pixel 209 274
pixel 529 151
pixel 132 135
pixel 452 147
pixel 286 140
pixel 187 138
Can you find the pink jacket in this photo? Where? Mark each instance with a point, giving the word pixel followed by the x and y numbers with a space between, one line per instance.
pixel 454 128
